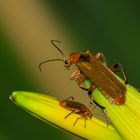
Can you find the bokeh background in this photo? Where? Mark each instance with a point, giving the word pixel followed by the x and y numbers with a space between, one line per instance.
pixel 26 28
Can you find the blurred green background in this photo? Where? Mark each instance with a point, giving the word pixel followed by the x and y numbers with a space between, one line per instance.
pixel 112 27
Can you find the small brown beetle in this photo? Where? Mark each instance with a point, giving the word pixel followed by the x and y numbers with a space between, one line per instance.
pixel 76 107
pixel 94 67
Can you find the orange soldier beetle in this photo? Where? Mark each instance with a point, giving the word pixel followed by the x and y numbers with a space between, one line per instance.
pixel 77 108
pixel 94 67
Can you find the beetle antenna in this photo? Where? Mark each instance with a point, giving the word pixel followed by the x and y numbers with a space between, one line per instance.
pixel 48 61
pixel 53 43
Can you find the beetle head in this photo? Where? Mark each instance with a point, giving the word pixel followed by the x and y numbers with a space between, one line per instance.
pixel 68 61
pixel 73 58
pixel 63 103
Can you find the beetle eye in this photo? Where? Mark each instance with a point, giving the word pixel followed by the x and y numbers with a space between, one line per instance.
pixel 67 63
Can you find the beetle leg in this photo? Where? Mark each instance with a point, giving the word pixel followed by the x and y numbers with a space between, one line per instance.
pixel 71 97
pixel 100 56
pixel 115 68
pixel 77 120
pixel 69 114
pixel 85 122
pixel 92 104
pixel 80 80
pixel 106 116
pixel 75 74
pixel 91 88
pixel 74 111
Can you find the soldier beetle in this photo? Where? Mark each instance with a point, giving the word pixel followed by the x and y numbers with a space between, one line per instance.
pixel 94 67
pixel 77 108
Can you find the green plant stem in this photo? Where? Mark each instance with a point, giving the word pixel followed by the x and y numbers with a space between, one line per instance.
pixel 125 118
